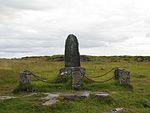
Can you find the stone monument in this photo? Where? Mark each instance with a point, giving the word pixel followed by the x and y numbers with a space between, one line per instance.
pixel 72 62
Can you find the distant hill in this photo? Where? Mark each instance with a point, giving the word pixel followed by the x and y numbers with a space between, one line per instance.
pixel 86 58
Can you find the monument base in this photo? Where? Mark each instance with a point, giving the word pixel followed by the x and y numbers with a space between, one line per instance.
pixel 75 73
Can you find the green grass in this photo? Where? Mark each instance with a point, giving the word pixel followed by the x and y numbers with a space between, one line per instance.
pixel 130 97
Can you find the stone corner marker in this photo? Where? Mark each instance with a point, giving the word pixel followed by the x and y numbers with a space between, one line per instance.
pixel 25 78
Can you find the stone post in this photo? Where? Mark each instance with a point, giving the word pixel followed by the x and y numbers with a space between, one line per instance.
pixel 25 78
pixel 122 75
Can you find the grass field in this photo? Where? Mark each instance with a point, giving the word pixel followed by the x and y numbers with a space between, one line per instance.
pixel 130 98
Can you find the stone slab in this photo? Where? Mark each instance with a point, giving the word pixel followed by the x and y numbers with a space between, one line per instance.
pixel 7 97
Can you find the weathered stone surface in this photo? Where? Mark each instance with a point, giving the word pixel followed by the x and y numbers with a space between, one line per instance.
pixel 101 95
pixel 76 73
pixel 51 96
pixel 83 95
pixel 77 95
pixel 122 75
pixel 25 78
pixel 7 97
pixel 68 96
pixel 147 104
pixel 76 79
pixel 115 110
pixel 50 102
pixel 72 56
pixel 67 71
pixel 50 99
pixel 30 94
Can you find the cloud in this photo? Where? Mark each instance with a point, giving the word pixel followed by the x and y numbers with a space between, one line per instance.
pixel 148 35
pixel 29 27
pixel 23 4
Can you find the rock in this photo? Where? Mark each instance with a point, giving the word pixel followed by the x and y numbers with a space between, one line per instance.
pixel 50 96
pixel 7 97
pixel 147 104
pixel 83 95
pixel 30 94
pixel 50 102
pixel 118 110
pixel 50 99
pixel 74 96
pixel 65 73
pixel 68 96
pixel 101 95
pixel 115 110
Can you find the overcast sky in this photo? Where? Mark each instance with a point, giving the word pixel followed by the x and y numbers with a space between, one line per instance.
pixel 103 27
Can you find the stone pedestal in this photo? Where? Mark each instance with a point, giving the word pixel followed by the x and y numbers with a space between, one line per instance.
pixel 75 73
pixel 25 78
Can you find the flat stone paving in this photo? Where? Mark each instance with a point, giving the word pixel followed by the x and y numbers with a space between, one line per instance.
pixel 7 97
pixel 52 98
pixel 116 110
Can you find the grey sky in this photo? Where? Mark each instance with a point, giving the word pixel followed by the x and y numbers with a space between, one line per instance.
pixel 103 27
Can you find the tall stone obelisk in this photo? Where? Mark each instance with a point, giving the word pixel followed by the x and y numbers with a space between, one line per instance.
pixel 72 55
pixel 72 62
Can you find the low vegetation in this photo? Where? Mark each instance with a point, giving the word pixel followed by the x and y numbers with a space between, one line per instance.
pixel 132 98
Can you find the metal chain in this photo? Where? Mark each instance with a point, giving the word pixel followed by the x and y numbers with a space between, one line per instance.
pixel 99 81
pixel 46 81
pixel 39 78
pixel 104 74
pixel 101 76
